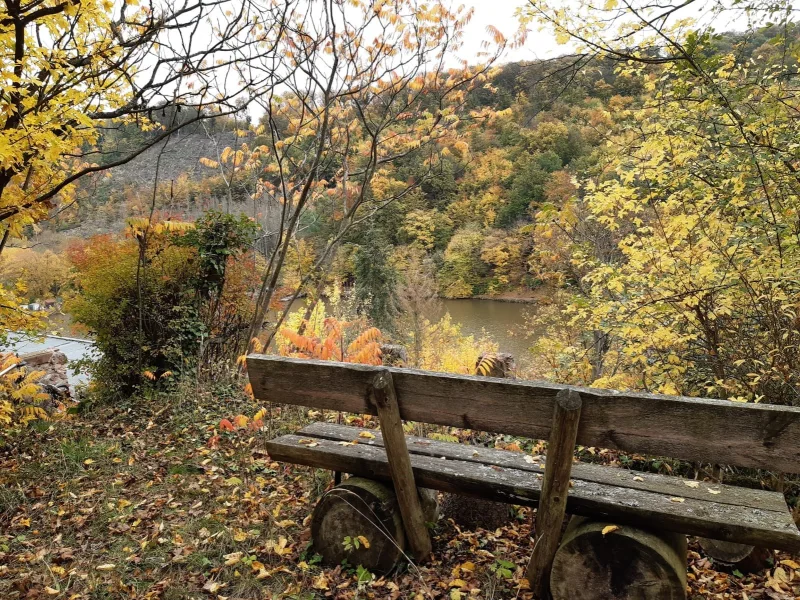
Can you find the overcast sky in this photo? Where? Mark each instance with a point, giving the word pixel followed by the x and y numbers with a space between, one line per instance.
pixel 500 13
pixel 542 44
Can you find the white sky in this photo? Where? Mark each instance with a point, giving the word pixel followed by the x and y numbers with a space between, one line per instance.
pixel 500 13
pixel 542 44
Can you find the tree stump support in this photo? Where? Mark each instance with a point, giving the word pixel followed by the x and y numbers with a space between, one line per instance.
pixel 555 488
pixel 744 557
pixel 598 560
pixel 359 508
pixel 385 399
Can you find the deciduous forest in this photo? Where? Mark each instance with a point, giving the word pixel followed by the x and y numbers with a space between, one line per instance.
pixel 183 184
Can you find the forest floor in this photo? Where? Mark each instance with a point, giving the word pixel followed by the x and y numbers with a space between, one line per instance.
pixel 151 500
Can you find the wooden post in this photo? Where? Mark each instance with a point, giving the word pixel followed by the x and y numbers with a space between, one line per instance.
pixel 394 440
pixel 555 488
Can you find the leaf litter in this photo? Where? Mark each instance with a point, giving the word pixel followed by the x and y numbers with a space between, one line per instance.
pixel 138 502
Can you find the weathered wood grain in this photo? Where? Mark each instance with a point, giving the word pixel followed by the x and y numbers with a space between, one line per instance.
pixel 385 401
pixel 618 477
pixel 691 516
pixel 555 489
pixel 748 435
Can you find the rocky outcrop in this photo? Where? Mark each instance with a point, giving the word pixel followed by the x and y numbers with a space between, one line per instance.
pixel 54 364
pixel 394 355
pixel 496 364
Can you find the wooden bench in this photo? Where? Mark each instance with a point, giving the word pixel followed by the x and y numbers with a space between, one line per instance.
pixel 653 513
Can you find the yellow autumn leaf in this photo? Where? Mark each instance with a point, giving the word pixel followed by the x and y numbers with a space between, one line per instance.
pixel 609 529
pixel 320 583
pixel 781 575
pixel 366 435
pixel 213 586
pixel 285 523
pixel 239 535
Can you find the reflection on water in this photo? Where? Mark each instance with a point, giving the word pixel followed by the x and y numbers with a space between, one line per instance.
pixel 504 322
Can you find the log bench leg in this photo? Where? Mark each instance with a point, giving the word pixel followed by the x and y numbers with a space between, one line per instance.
pixel 627 563
pixel 364 507
pixel 359 507
pixel 743 557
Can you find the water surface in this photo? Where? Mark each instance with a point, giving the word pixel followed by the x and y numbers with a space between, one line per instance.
pixel 503 322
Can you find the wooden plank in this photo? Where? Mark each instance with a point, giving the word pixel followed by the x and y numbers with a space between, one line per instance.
pixel 654 482
pixel 748 435
pixel 555 489
pixel 385 401
pixel 705 518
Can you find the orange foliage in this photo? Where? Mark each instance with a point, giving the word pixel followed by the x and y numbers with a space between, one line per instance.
pixel 364 349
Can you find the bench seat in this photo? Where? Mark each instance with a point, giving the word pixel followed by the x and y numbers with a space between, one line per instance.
pixel 722 512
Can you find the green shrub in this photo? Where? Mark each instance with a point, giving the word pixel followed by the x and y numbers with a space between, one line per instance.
pixel 156 299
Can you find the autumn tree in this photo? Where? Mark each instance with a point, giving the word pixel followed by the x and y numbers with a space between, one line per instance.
pixel 75 72
pixel 377 85
pixel 463 270
pixel 417 301
pixel 169 299
pixel 375 282
pixel 699 192
pixel 45 274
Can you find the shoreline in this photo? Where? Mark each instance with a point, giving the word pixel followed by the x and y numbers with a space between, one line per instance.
pixel 512 300
pixel 542 295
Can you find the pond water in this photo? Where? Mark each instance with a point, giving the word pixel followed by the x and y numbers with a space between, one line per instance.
pixel 74 349
pixel 503 322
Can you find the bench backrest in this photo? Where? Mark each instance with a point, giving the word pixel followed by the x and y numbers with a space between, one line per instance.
pixel 715 431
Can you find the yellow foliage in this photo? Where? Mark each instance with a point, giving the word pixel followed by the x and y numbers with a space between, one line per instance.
pixel 45 273
pixel 19 394
pixel 685 244
pixel 446 349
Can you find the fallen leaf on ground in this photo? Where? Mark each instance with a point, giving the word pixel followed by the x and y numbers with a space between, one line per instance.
pixel 609 528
